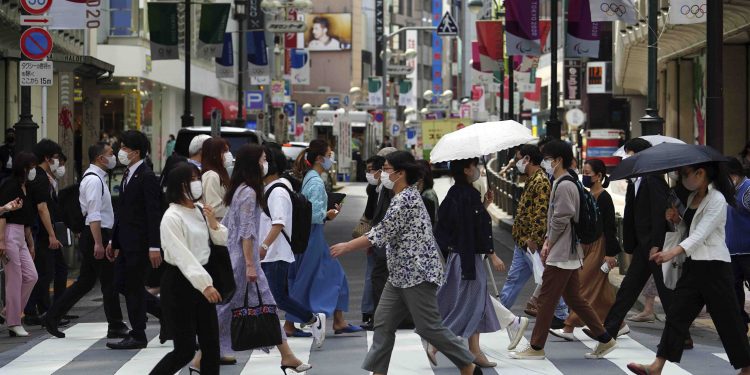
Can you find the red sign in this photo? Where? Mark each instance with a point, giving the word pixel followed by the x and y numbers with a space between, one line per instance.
pixel 36 43
pixel 36 6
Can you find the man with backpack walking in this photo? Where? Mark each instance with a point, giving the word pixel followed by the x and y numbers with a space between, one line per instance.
pixel 96 220
pixel 277 229
pixel 562 254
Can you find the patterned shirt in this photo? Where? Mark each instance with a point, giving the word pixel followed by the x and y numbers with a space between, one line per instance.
pixel 530 223
pixel 406 234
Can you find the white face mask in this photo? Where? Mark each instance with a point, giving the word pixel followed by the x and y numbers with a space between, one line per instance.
pixel 264 168
pixel 385 178
pixel 111 161
pixel 547 165
pixel 60 172
pixel 521 166
pixel 32 174
pixel 54 165
pixel 122 156
pixel 196 190
pixel 474 175
pixel 371 179
pixel 228 160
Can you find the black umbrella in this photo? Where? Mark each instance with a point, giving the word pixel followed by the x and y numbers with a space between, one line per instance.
pixel 663 158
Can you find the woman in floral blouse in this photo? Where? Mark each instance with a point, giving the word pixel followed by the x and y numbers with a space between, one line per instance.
pixel 415 271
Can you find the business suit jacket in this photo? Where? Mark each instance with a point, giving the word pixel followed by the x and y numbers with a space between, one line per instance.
pixel 137 218
pixel 644 222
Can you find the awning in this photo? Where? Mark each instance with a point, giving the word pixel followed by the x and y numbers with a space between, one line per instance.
pixel 85 66
pixel 228 108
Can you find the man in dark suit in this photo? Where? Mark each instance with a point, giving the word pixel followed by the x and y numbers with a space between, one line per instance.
pixel 135 239
pixel 644 227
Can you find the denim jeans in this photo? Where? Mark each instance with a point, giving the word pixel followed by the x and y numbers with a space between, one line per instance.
pixel 521 270
pixel 368 303
pixel 276 274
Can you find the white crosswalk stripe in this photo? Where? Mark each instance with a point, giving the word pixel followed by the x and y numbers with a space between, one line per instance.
pixel 408 355
pixel 52 354
pixel 723 356
pixel 261 363
pixel 494 347
pixel 627 351
pixel 146 359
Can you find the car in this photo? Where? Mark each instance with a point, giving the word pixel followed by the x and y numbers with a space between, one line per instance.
pixel 234 135
pixel 293 149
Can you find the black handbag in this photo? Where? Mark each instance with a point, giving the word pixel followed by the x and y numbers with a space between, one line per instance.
pixel 219 266
pixel 255 327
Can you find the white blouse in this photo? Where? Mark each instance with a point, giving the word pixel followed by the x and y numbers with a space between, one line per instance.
pixel 213 193
pixel 184 239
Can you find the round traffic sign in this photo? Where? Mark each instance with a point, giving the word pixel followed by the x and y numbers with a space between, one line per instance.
pixel 379 117
pixel 36 43
pixel 36 6
pixel 575 117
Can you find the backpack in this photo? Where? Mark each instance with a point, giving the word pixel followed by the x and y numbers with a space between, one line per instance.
pixel 70 207
pixel 589 226
pixel 301 218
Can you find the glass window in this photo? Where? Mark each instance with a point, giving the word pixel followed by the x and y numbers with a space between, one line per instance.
pixel 121 18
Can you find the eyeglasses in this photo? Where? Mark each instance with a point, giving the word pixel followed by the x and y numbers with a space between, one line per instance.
pixel 385 169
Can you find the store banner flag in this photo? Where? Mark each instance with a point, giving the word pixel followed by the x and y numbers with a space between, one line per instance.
pixel 225 63
pixel 476 62
pixel 162 23
pixel 375 90
pixel 277 94
pixel 522 33
pixel 613 10
pixel 300 62
pixel 545 28
pixel 583 35
pixel 257 58
pixel 256 20
pixel 684 12
pixel 406 94
pixel 490 38
pixel 74 15
pixel 213 25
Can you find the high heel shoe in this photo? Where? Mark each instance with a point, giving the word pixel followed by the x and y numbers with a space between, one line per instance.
pixel 298 369
pixel 194 370
pixel 17 331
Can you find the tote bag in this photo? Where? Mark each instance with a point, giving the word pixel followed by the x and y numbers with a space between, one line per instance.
pixel 672 270
pixel 255 327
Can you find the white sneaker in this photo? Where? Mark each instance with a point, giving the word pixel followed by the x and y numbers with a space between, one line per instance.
pixel 624 330
pixel 528 353
pixel 563 335
pixel 602 349
pixel 516 330
pixel 318 330
pixel 17 331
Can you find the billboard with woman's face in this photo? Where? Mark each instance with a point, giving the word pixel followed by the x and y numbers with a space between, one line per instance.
pixel 328 31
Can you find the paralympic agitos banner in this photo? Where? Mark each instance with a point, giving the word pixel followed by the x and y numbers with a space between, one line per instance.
pixel 582 35
pixel 522 33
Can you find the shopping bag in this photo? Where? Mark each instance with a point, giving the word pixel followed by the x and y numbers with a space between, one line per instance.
pixel 537 265
pixel 672 270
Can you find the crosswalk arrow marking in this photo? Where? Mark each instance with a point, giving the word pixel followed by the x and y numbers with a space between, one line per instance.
pixel 448 26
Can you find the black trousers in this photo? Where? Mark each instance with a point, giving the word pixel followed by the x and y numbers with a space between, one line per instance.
pixel 91 270
pixel 741 270
pixel 131 270
pixel 379 276
pixel 632 285
pixel 705 283
pixel 187 313
pixel 51 267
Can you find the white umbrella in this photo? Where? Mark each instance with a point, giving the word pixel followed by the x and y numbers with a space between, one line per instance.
pixel 653 139
pixel 480 139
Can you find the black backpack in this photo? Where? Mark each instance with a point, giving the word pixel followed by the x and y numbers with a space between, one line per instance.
pixel 301 218
pixel 70 207
pixel 589 227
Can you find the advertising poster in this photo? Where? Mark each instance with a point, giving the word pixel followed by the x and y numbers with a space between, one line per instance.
pixel 328 31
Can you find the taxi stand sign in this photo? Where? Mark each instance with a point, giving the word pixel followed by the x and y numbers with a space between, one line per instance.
pixel 35 73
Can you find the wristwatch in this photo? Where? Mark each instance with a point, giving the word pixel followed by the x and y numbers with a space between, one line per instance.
pixel 264 246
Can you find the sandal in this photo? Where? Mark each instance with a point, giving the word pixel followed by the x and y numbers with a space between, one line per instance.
pixel 349 329
pixel 298 333
pixel 639 369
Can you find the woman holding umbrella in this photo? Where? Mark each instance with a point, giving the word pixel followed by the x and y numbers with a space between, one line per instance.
pixel 707 272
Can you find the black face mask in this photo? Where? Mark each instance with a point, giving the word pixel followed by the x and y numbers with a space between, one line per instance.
pixel 10 139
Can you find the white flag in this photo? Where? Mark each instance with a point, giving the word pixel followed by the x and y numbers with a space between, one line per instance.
pixel 613 10
pixel 71 14
pixel 686 12
pixel 375 90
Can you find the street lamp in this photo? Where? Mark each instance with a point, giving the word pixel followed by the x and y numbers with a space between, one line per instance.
pixel 428 95
pixel 240 14
pixel 475 6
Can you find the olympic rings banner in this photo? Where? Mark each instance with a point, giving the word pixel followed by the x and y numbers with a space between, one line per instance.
pixel 613 10
pixel 522 33
pixel 687 12
pixel 583 35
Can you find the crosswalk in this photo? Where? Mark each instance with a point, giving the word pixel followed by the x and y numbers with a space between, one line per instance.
pixel 83 352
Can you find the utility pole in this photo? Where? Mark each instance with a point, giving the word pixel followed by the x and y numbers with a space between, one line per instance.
pixel 241 15
pixel 25 127
pixel 554 126
pixel 187 116
pixel 651 123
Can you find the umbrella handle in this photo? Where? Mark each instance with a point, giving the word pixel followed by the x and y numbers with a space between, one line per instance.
pixel 492 276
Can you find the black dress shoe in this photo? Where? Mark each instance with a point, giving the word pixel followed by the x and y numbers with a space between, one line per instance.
pixel 128 343
pixel 32 320
pixel 118 333
pixel 369 326
pixel 51 326
pixel 70 317
pixel 557 323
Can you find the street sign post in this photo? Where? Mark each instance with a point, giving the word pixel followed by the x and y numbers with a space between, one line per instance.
pixel 333 101
pixel 395 129
pixel 35 73
pixel 448 26
pixel 254 101
pixel 36 43
pixel 36 6
pixel 35 20
pixel 286 26
pixel 399 70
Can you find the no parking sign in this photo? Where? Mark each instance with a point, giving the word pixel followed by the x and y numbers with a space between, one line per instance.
pixel 36 43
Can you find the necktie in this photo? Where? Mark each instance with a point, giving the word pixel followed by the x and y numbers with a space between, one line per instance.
pixel 125 178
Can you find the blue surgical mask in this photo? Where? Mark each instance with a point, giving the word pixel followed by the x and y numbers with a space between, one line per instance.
pixel 327 163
